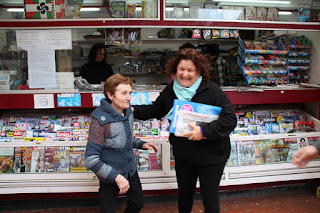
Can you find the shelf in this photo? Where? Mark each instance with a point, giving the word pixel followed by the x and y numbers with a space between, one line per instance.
pixel 160 23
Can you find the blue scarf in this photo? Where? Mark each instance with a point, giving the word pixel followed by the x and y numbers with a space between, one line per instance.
pixel 184 93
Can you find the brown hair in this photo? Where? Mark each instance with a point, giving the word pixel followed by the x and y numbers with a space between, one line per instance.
pixel 112 82
pixel 200 61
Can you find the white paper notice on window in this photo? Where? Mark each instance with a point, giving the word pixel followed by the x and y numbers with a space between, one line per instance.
pixel 59 39
pixel 41 68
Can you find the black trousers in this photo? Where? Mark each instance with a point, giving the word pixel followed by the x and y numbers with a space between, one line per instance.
pixel 209 177
pixel 109 194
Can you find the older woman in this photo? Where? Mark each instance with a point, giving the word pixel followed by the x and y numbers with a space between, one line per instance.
pixel 109 153
pixel 203 152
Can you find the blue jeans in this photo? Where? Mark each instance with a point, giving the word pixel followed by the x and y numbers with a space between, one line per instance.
pixel 109 194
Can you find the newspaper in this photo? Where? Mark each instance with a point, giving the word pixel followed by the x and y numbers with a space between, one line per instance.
pixel 186 112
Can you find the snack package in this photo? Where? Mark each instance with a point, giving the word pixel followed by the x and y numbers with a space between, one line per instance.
pixel 206 34
pixel 196 33
pixel 224 33
pixel 234 34
pixel 215 33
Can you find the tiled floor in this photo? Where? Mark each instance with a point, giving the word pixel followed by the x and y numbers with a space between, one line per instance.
pixel 279 200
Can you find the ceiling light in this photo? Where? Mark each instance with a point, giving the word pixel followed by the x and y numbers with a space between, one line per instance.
pixel 285 13
pixel 89 9
pixel 15 10
pixel 255 1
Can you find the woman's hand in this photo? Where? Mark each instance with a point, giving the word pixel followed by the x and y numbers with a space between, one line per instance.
pixel 195 134
pixel 122 183
pixel 150 145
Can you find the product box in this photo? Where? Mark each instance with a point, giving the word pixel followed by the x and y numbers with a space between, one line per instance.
pixel 118 9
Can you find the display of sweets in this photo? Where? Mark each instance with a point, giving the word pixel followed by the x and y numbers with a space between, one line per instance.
pixel 271 122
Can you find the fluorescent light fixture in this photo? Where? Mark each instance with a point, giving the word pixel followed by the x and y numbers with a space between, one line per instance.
pixel 255 1
pixel 169 8
pixel 89 9
pixel 138 8
pixel 285 13
pixel 15 10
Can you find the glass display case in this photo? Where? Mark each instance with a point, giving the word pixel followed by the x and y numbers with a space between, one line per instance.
pixel 288 11
pixel 75 9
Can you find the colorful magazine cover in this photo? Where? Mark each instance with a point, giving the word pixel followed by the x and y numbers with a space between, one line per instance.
pixel 49 159
pixel 37 159
pixel 17 159
pixel 233 159
pixel 6 159
pixel 26 159
pixel 77 159
pixel 246 153
pixel 185 112
pixel 61 158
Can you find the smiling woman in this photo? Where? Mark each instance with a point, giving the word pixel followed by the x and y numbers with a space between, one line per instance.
pixel 203 151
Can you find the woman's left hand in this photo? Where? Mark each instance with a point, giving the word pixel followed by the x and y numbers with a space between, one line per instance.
pixel 195 134
pixel 150 145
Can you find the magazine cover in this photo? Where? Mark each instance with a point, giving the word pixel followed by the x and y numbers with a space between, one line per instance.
pixel 185 112
pixel 142 157
pixel 246 153
pixel 26 159
pixel 271 155
pixel 6 159
pixel 17 159
pixel 233 159
pixel 61 158
pixel 37 159
pixel 77 159
pixel 49 159
pixel 258 155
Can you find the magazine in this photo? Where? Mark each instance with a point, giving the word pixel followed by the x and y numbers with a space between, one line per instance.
pixel 6 160
pixel 186 112
pixel 49 159
pixel 233 159
pixel 246 153
pixel 37 159
pixel 61 159
pixel 77 159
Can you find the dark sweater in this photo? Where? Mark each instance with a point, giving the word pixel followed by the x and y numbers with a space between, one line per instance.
pixel 96 72
pixel 110 144
pixel 214 149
